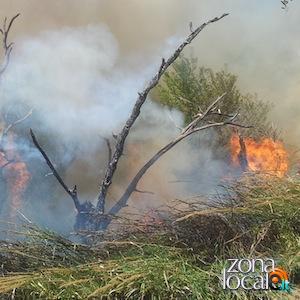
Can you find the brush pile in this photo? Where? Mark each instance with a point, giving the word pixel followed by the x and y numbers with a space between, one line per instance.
pixel 180 257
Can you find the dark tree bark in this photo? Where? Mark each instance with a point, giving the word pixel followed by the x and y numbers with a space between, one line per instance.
pixel 242 156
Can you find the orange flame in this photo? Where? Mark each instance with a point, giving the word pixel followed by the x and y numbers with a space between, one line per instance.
pixel 17 178
pixel 265 155
pixel 16 175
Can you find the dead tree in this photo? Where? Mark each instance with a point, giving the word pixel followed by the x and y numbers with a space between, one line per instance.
pixel 142 96
pixel 94 218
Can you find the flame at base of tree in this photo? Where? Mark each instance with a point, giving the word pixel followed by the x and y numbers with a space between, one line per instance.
pixel 266 156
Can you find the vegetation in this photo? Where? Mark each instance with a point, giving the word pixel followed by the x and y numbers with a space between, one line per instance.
pixel 190 88
pixel 182 258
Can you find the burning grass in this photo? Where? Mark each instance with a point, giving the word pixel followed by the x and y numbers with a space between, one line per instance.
pixel 181 259
pixel 266 155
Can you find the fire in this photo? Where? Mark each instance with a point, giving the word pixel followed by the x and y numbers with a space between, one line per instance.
pixel 265 155
pixel 17 178
pixel 16 175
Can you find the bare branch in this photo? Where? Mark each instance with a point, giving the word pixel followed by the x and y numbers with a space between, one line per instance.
pixel 190 129
pixel 7 47
pixel 72 193
pixel 201 116
pixel 142 96
pixel 11 22
pixel 221 114
pixel 10 126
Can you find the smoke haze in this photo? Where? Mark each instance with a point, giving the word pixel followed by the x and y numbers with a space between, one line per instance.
pixel 80 64
pixel 258 41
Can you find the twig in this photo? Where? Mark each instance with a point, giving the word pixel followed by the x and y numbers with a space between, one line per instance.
pixel 10 126
pixel 107 142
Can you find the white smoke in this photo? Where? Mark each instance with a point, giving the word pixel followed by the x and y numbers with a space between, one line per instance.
pixel 71 79
pixel 80 91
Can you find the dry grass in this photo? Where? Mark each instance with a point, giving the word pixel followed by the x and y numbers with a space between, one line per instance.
pixel 181 259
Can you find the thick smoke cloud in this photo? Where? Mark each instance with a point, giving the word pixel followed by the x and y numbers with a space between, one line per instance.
pixel 258 41
pixel 70 77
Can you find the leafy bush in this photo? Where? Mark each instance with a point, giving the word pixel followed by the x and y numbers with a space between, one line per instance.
pixel 190 88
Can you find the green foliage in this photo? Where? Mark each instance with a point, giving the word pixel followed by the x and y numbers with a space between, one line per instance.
pixel 153 272
pixel 190 88
pixel 258 217
pixel 261 220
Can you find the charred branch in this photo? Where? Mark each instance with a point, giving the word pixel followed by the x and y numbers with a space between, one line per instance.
pixel 71 192
pixel 242 156
pixel 93 218
pixel 142 96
